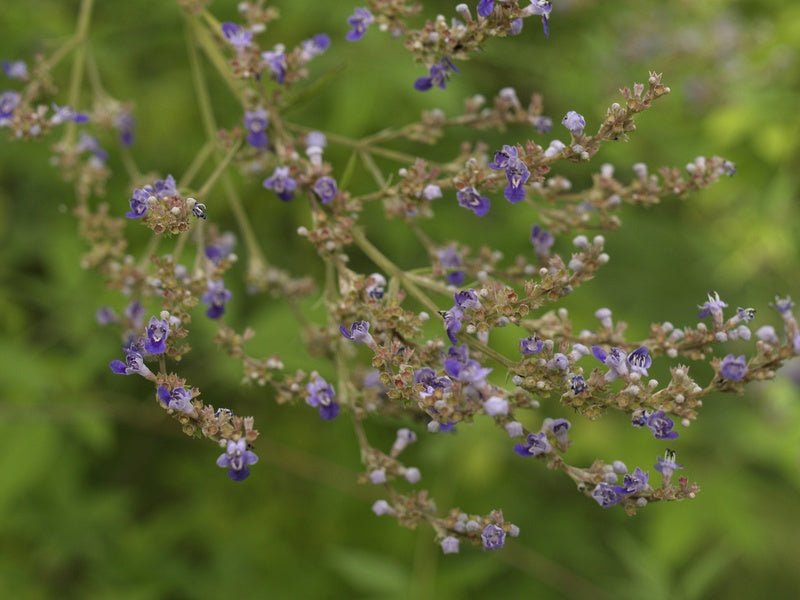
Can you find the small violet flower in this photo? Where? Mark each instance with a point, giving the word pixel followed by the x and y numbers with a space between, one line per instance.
pixel 359 21
pixel 275 61
pixel 215 297
pixel 531 345
pixel 321 395
pixel 733 368
pixel 134 364
pixel 452 322
pixel 574 122
pixel 712 308
pixel 471 199
pixel 237 459
pixel 281 183
pixel 15 69
pixel 178 399
pixel 325 189
pixel 485 8
pixel 536 445
pixel 358 332
pixel 667 465
pixel 493 537
pixel 157 334
pixel 517 172
pixel 125 124
pixel 467 299
pixel 438 74
pixel 541 241
pixel 633 483
pixel 8 104
pixel 450 545
pixel 639 360
pixel 607 495
pixel 615 360
pixel 661 425
pixel 543 8
pixel 314 46
pixel 255 122
pixel 236 35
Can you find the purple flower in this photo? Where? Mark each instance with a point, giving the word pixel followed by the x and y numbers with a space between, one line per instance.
pixel 438 74
pixel 314 46
pixel 449 545
pixel 784 306
pixel 635 482
pixel 359 21
pixel 733 368
pixel 178 399
pixel 516 27
pixel 542 124
pixel 281 183
pixel 157 334
pixel 427 377
pixel 543 8
pixel 574 122
pixel 431 192
pixel 221 249
pixel 452 322
pixel 615 360
pixel 712 308
pixel 255 122
pixel 105 316
pixel 531 345
pixel 215 297
pixel 236 35
pixel 467 299
pixel 541 240
pixel 485 8
pixel 560 429
pixel 535 445
pixel 517 172
pixel 88 143
pixel 607 495
pixel 661 425
pixel 325 189
pixel 134 312
pixel 493 537
pixel 62 114
pixel 166 188
pixel 275 61
pixel 358 332
pixel 461 367
pixel 134 363
pixel 471 199
pixel 450 260
pixel 667 465
pixel 578 384
pixel 639 360
pixel 495 406
pixel 237 458
pixel 125 123
pixel 321 395
pixel 15 69
pixel 8 104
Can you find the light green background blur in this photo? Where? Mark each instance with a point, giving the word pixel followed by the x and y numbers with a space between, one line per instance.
pixel 102 497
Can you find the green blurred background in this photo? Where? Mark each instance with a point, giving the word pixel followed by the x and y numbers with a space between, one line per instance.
pixel 101 496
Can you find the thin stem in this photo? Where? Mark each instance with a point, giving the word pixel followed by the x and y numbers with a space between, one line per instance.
pixel 212 179
pixel 79 59
pixel 196 164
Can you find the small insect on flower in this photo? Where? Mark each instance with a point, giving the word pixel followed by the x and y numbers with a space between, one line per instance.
pixel 199 211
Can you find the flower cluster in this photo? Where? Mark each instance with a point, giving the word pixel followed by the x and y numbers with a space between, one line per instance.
pixel 415 345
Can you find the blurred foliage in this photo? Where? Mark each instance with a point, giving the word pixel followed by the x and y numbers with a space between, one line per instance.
pixel 101 496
